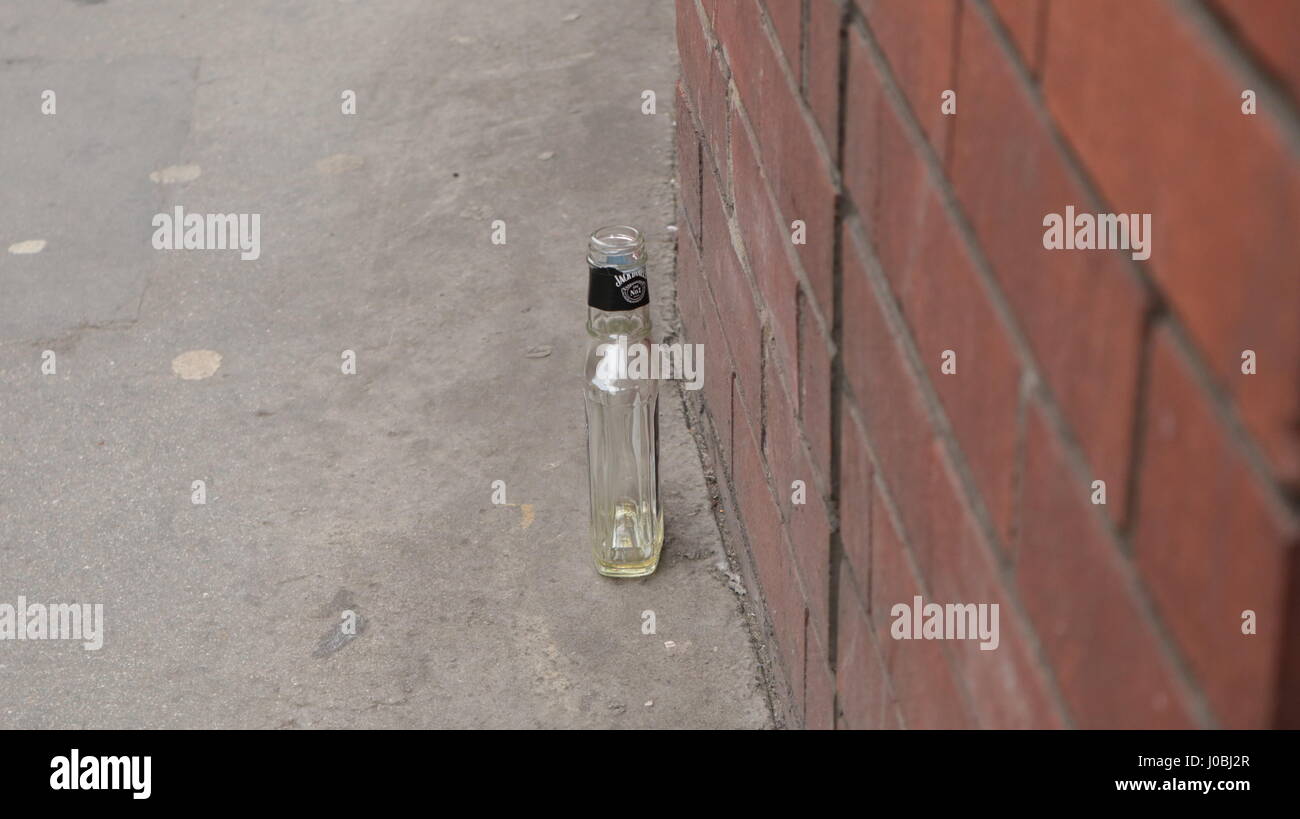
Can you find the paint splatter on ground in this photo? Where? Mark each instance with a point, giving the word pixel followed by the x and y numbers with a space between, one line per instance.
pixel 175 174
pixel 28 247
pixel 194 365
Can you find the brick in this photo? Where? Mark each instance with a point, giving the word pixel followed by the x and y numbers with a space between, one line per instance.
pixel 687 23
pixel 1271 28
pixel 782 448
pixel 822 82
pixel 807 524
pixel 950 554
pixel 1006 684
pixel 1288 709
pixel 865 702
pixel 1023 20
pixel 946 308
pixel 734 297
pixel 814 381
pixel 1209 546
pixel 918 41
pixel 1223 191
pixel 855 503
pixel 690 283
pixel 702 325
pixel 1096 631
pixel 719 373
pixel 862 115
pixel 705 85
pixel 810 532
pixel 735 23
pixel 776 574
pixel 766 248
pixel 807 193
pixel 929 695
pixel 804 189
pixel 883 171
pixel 886 395
pixel 1104 650
pixel 799 174
pixel 1081 310
pixel 728 494
pixel 688 169
pixel 757 578
pixel 787 20
pixel 693 50
pixel 819 689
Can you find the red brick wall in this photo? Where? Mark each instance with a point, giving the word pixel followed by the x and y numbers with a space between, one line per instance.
pixel 924 233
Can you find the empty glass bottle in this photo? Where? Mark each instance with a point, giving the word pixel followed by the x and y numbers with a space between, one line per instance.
pixel 627 529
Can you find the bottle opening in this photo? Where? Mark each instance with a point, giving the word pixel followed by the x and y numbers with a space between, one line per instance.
pixel 616 246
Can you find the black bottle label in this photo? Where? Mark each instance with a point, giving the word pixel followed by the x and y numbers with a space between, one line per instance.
pixel 612 289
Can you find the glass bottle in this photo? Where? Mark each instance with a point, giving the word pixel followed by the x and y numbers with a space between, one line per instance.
pixel 627 529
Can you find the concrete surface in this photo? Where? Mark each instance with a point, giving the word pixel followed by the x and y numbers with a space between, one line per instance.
pixel 325 492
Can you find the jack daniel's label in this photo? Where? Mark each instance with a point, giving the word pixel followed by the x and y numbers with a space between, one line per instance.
pixel 612 289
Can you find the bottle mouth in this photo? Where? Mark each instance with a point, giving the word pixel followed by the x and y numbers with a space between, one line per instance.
pixel 616 246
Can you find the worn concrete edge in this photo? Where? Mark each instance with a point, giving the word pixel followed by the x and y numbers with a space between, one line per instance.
pixel 740 563
pixel 739 560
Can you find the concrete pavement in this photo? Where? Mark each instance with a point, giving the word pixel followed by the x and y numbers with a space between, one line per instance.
pixel 329 492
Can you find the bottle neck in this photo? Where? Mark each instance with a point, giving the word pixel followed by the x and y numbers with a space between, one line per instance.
pixel 633 325
pixel 616 261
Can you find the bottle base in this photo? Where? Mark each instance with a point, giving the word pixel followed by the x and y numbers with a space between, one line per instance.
pixel 641 569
